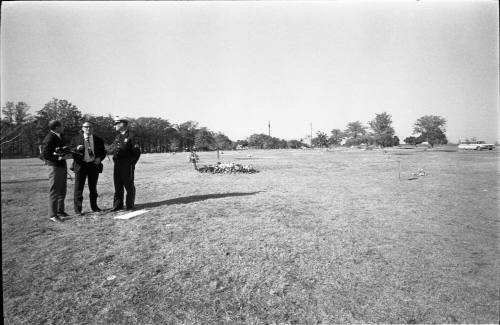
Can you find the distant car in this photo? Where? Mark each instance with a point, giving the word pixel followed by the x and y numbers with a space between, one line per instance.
pixel 476 145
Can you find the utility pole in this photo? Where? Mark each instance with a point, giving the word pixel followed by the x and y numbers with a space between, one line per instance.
pixel 311 134
pixel 269 126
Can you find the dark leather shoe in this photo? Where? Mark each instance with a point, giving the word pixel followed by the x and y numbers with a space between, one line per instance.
pixel 62 214
pixel 96 210
pixel 116 209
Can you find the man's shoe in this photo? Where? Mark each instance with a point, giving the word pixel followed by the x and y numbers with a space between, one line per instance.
pixel 62 214
pixel 116 209
pixel 96 210
pixel 56 219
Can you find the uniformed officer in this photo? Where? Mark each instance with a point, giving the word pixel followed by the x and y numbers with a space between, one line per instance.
pixel 125 156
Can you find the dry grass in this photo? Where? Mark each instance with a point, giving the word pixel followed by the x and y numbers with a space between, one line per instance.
pixel 315 237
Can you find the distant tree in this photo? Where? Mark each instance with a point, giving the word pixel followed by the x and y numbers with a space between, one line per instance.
pixel 271 142
pixel 295 144
pixel 59 109
pixel 5 128
pixel 355 130
pixel 281 143
pixel 369 139
pixel 355 133
pixel 15 113
pixel 173 139
pixel 9 112
pixel 336 137
pixel 223 142
pixel 409 140
pixel 395 141
pixel 258 140
pixel 383 132
pixel 321 140
pixel 264 141
pixel 18 131
pixel 431 128
pixel 353 142
pixel 412 140
pixel 187 132
pixel 21 112
pixel 204 140
pixel 9 133
pixel 151 133
pixel 240 144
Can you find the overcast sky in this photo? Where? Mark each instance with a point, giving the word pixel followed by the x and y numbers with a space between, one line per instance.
pixel 233 66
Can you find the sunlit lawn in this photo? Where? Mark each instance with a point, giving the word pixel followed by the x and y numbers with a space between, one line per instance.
pixel 315 237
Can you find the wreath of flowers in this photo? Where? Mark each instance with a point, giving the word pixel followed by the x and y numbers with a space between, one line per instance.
pixel 220 168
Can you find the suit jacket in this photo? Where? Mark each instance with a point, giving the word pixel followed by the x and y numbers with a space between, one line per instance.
pixel 99 150
pixel 49 145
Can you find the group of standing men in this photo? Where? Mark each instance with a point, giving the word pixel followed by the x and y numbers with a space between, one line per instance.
pixel 87 151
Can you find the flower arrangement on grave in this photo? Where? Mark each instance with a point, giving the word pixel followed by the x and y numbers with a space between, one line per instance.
pixel 220 168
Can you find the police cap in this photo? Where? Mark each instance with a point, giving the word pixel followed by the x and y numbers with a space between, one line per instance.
pixel 121 120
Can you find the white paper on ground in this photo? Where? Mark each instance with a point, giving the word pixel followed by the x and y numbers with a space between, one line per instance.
pixel 131 214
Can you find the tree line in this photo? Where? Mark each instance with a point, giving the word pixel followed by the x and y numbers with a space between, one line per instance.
pixel 379 132
pixel 22 132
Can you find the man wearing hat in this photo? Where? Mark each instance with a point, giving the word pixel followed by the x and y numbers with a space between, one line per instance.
pixel 125 156
pixel 90 152
pixel 55 158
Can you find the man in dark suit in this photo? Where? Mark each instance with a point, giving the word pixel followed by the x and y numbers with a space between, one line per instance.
pixel 89 152
pixel 125 156
pixel 58 172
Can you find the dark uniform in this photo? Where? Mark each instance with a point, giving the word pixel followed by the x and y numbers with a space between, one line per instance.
pixel 125 156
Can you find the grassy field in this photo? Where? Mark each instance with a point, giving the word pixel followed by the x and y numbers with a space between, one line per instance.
pixel 315 237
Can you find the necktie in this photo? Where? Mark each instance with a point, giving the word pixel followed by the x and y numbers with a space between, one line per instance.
pixel 91 153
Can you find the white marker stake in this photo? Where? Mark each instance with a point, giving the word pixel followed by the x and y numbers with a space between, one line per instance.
pixel 131 214
pixel 399 169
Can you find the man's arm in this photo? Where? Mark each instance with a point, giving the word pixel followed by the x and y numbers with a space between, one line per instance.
pixel 73 145
pixel 100 150
pixel 134 148
pixel 77 154
pixel 48 148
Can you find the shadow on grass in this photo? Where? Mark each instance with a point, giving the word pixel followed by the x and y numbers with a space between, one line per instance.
pixel 191 199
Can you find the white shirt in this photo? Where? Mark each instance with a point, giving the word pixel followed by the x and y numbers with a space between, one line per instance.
pixel 89 143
